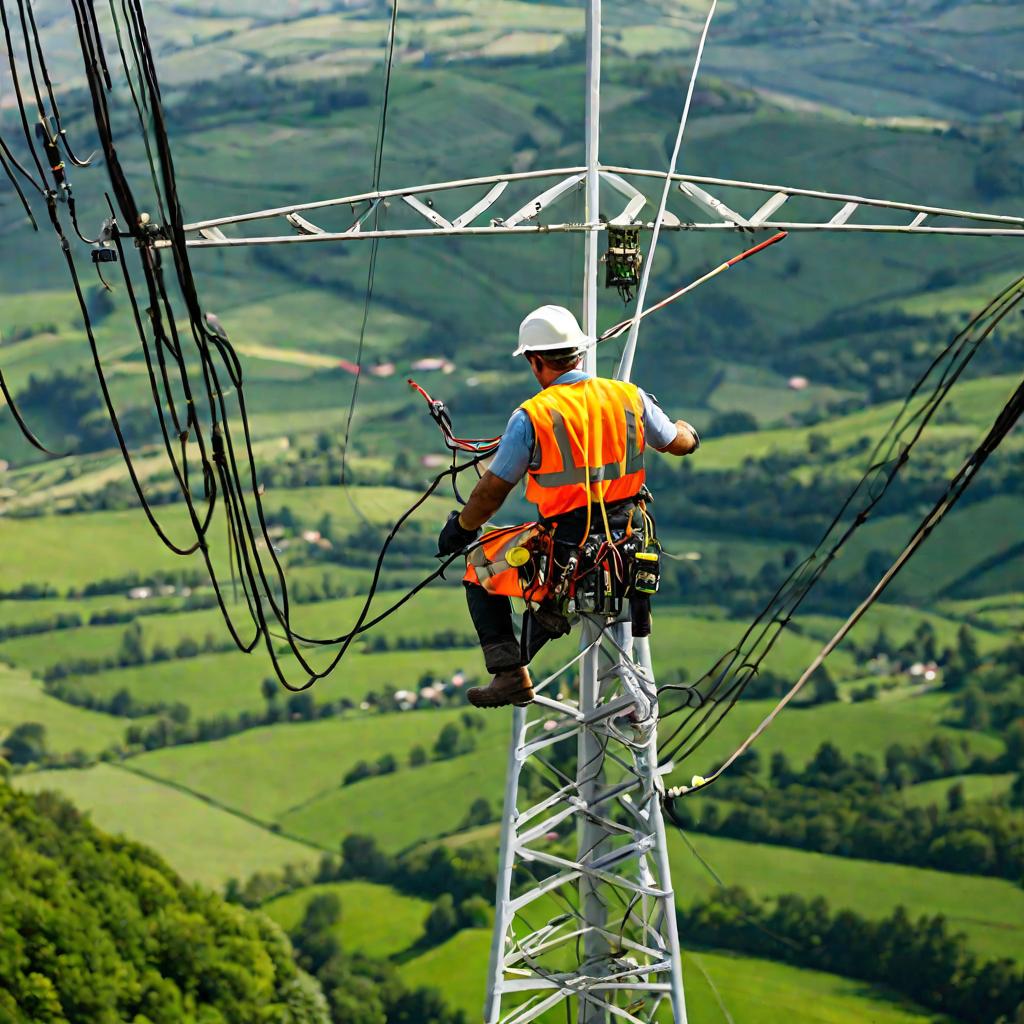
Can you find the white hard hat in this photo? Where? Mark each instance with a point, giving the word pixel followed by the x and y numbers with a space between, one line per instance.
pixel 550 328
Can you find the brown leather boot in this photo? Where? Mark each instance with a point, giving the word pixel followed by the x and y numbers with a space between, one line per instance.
pixel 510 686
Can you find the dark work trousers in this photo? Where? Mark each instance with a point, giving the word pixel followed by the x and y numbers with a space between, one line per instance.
pixel 492 617
pixel 492 613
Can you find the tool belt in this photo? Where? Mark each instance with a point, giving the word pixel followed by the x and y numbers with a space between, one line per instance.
pixel 551 562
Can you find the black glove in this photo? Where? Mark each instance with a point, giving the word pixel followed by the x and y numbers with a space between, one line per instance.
pixel 453 537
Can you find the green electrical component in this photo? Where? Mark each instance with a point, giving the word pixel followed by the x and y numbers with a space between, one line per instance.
pixel 622 260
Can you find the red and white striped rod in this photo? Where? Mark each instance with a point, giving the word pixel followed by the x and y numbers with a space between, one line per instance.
pixel 620 328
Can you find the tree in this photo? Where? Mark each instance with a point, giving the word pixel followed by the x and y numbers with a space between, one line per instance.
pixel 131 651
pixel 967 850
pixel 818 444
pixel 955 800
pixel 359 771
pixel 967 648
pixel 187 648
pixel 362 858
pixel 447 744
pixel 302 705
pixel 1017 791
pixel 926 641
pixel 386 764
pixel 100 929
pixel 474 912
pixel 735 421
pixel 417 756
pixel 442 921
pixel 479 813
pixel 269 688
pixel 26 743
pixel 779 770
pixel 122 703
pixel 323 911
pixel 828 760
pixel 99 303
pixel 179 713
pixel 824 686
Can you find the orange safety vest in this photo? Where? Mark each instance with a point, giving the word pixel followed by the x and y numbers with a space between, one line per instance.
pixel 589 444
pixel 590 430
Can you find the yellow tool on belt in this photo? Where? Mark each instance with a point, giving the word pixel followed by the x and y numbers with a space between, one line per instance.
pixel 517 556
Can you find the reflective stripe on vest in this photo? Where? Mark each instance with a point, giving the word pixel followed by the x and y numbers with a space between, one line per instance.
pixel 573 474
pixel 595 421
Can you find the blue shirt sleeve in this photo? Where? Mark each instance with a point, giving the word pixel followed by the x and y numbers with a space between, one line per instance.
pixel 512 459
pixel 659 430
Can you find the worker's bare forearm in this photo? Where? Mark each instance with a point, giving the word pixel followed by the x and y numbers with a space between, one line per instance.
pixel 487 497
pixel 686 441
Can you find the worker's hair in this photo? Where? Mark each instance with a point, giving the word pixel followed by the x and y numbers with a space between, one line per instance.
pixel 560 358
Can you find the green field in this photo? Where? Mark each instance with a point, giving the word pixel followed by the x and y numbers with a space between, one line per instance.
pixel 973 401
pixel 719 987
pixel 403 809
pixel 683 640
pixel 202 842
pixel 88 546
pixel 999 611
pixel 375 919
pixel 325 618
pixel 239 677
pixel 977 788
pixel 67 728
pixel 972 535
pixel 868 727
pixel 271 772
pixel 990 911
pixel 292 774
pixel 900 622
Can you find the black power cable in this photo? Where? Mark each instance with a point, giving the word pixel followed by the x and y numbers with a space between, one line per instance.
pixel 378 208
pixel 720 688
pixel 203 416
pixel 1004 422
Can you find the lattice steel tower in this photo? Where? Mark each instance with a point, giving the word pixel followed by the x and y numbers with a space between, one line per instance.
pixel 596 927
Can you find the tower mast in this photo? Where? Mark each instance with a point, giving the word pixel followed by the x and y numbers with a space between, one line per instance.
pixel 593 179
pixel 589 755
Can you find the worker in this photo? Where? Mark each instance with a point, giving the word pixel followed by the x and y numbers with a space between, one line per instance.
pixel 577 427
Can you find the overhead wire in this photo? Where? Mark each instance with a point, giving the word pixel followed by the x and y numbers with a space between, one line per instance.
pixel 1004 422
pixel 228 466
pixel 720 688
pixel 222 471
pixel 378 210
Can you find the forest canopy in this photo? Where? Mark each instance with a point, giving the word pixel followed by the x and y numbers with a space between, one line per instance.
pixel 98 930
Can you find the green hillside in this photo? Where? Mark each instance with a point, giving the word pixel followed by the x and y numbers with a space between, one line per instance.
pixel 98 929
pixel 192 834
pixel 375 919
pixel 120 689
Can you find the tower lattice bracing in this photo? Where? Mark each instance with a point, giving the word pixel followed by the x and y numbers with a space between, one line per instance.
pixel 585 913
